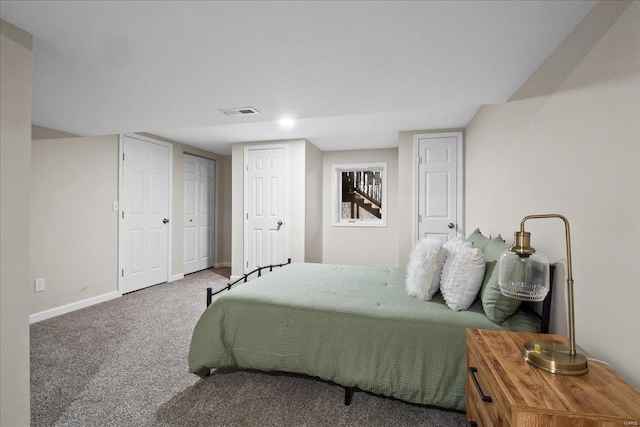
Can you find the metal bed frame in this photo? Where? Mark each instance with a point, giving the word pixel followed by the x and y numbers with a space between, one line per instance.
pixel 244 279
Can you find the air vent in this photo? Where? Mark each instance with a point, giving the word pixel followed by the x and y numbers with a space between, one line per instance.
pixel 245 111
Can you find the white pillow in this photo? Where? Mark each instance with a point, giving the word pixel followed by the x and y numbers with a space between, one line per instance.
pixel 423 275
pixel 462 276
pixel 452 244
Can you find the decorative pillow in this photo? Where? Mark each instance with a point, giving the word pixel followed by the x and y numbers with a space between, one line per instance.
pixel 452 245
pixel 496 306
pixel 462 276
pixel 422 271
pixel 478 240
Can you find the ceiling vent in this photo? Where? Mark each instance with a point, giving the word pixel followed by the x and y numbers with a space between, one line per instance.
pixel 245 111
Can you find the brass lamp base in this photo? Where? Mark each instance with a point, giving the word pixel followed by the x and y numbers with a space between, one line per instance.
pixel 554 358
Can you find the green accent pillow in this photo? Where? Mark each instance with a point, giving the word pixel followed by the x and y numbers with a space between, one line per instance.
pixel 478 240
pixel 496 306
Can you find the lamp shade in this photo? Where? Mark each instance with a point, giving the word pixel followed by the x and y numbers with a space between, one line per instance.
pixel 523 277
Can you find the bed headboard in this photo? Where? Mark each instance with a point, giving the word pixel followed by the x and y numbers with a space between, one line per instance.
pixel 542 309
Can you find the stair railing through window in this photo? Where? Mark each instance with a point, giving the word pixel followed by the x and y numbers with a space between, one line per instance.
pixel 361 193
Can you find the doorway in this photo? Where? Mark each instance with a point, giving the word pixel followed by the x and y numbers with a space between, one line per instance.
pixel 265 231
pixel 198 213
pixel 144 212
pixel 439 185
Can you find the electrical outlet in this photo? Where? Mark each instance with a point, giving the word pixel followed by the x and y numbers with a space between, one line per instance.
pixel 39 285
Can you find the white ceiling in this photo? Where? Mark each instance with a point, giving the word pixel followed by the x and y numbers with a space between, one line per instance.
pixel 353 74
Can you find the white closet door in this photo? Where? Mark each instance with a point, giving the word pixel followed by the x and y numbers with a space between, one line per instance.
pixel 144 222
pixel 438 187
pixel 265 236
pixel 198 217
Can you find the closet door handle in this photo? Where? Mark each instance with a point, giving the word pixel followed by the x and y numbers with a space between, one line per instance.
pixel 484 397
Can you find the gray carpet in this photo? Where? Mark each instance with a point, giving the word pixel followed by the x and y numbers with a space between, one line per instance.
pixel 124 363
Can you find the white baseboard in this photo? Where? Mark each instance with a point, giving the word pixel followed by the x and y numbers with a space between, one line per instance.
pixel 67 308
pixel 222 264
pixel 234 278
pixel 176 277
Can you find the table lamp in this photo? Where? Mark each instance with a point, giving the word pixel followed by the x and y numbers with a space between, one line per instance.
pixel 523 274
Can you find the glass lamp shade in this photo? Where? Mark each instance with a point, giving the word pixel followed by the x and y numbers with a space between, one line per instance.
pixel 524 277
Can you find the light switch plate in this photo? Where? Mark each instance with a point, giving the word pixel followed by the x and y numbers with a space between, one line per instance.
pixel 39 285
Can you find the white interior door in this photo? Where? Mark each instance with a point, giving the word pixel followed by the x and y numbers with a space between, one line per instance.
pixel 438 186
pixel 144 214
pixel 265 201
pixel 198 217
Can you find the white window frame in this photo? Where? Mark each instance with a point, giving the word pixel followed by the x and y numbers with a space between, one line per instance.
pixel 336 185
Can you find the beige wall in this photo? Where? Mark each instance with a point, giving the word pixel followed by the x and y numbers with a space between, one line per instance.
pixel 313 204
pixel 40 132
pixel 224 230
pixel 74 237
pixel 406 192
pixel 297 214
pixel 296 222
pixel 572 134
pixel 237 209
pixel 15 172
pixel 375 246
pixel 74 230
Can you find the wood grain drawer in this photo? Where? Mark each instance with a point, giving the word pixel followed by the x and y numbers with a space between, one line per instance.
pixel 484 399
pixel 524 396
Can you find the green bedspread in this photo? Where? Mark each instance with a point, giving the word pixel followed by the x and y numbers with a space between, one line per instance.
pixel 355 326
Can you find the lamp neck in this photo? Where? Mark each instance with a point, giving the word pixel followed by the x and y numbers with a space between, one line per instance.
pixel 522 244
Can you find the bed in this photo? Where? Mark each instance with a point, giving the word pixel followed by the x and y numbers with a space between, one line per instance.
pixel 354 326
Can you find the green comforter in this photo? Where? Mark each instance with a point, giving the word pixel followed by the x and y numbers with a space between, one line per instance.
pixel 355 326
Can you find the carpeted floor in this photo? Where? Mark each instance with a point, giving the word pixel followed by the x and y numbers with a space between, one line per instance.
pixel 124 363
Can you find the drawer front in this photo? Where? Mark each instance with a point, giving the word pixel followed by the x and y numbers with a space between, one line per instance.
pixel 489 411
pixel 473 418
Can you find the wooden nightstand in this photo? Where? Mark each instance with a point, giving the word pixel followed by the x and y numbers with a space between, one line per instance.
pixel 504 390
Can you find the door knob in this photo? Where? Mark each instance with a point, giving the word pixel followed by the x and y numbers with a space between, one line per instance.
pixel 451 225
pixel 166 220
pixel 279 225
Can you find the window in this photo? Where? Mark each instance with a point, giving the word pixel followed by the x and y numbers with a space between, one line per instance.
pixel 360 194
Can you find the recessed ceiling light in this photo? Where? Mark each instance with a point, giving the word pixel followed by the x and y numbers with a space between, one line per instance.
pixel 286 122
